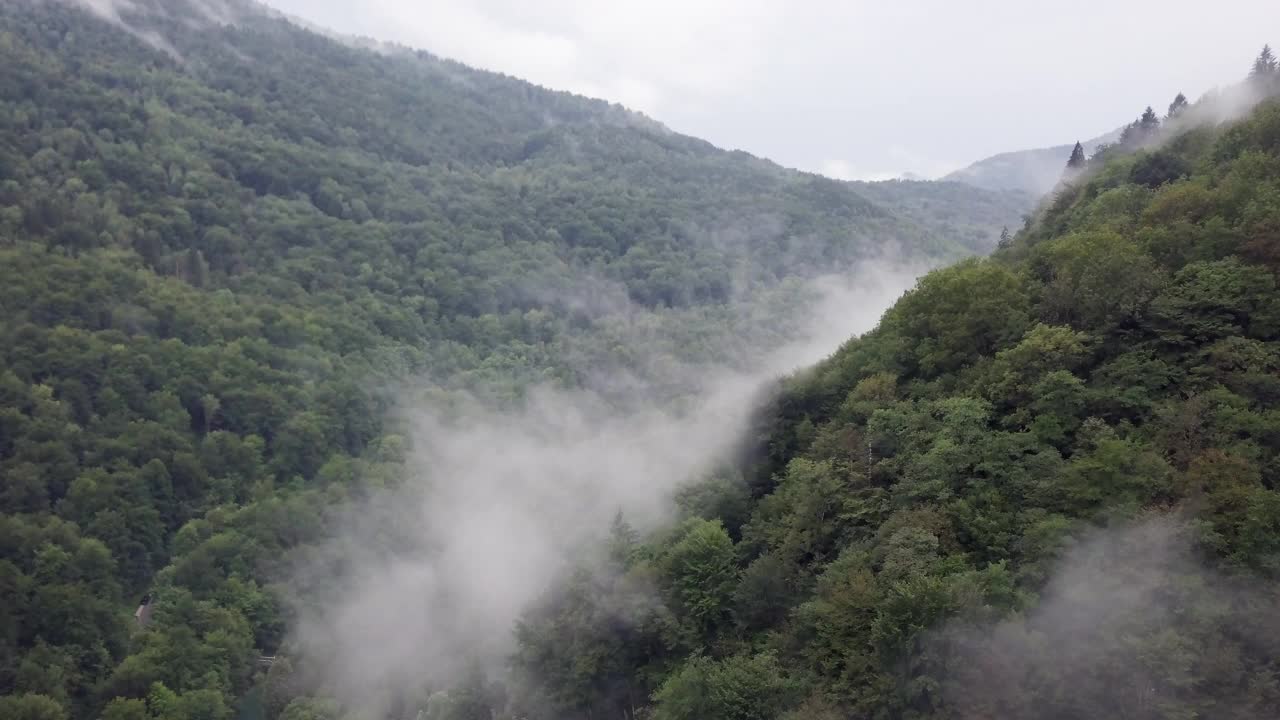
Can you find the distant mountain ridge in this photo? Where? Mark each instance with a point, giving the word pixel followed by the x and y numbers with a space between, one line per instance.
pixel 1033 171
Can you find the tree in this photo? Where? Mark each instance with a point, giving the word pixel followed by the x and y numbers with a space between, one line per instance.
pixel 1076 162
pixel 623 541
pixel 31 707
pixel 125 709
pixel 1157 168
pixel 206 704
pixel 701 570
pixel 1177 106
pixel 736 688
pixel 311 709
pixel 1265 65
pixel 1149 122
pixel 1099 280
pixel 953 315
pixel 1138 132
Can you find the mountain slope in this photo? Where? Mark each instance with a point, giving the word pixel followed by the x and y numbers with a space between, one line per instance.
pixel 1046 486
pixel 422 170
pixel 224 241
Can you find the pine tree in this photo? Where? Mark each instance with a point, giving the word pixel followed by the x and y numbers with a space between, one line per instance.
pixel 1139 131
pixel 1076 161
pixel 623 541
pixel 1177 106
pixel 1128 134
pixel 1265 65
pixel 1006 239
pixel 1149 122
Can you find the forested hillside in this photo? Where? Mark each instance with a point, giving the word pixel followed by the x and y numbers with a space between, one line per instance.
pixel 224 239
pixel 1046 486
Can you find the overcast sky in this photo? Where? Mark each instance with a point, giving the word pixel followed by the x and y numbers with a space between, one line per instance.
pixel 854 89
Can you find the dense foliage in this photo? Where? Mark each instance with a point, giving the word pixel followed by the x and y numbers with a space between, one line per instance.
pixel 220 244
pixel 1046 486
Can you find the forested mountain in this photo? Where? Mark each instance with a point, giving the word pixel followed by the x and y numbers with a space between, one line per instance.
pixel 1047 485
pixel 224 239
pixel 1044 486
pixel 962 211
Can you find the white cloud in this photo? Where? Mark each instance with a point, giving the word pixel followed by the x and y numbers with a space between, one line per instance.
pixel 500 499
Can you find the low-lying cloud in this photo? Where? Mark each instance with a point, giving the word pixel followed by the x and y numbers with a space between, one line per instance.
pixel 1131 624
pixel 500 499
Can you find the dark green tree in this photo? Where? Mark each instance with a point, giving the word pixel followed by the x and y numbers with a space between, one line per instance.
pixel 1265 66
pixel 1149 122
pixel 1077 160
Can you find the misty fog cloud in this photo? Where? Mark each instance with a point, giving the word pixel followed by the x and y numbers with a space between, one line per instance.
pixel 117 12
pixel 1130 622
pixel 499 500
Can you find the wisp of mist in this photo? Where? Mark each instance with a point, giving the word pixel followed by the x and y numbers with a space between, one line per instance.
pixel 1112 632
pixel 499 499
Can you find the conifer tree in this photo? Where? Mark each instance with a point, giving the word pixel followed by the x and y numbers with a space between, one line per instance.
pixel 1077 160
pixel 1149 122
pixel 1265 65
pixel 1139 131
pixel 1265 74
pixel 1177 106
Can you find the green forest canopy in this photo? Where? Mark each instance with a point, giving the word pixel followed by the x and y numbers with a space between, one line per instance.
pixel 219 243
pixel 207 257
